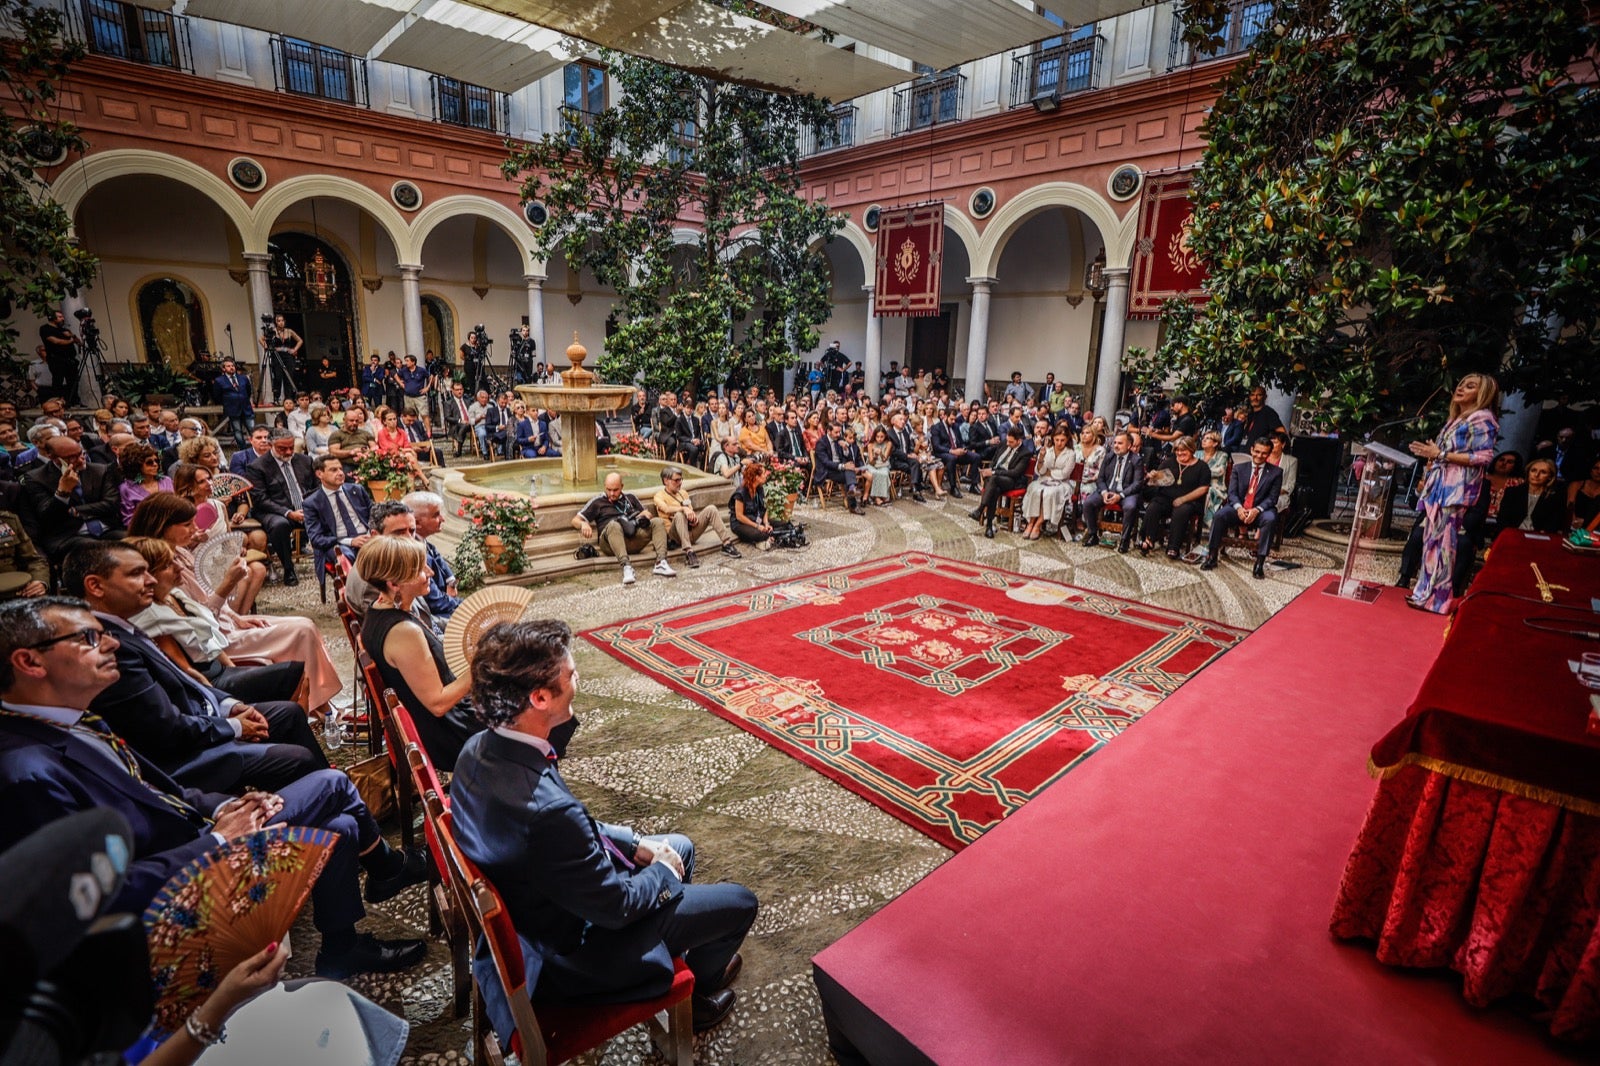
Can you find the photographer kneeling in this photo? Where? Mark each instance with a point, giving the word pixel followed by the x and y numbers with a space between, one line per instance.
pixel 624 527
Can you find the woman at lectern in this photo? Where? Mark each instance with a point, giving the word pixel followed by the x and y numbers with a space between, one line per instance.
pixel 1457 459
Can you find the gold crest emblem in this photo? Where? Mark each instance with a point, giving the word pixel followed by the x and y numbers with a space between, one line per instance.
pixel 906 261
pixel 1179 254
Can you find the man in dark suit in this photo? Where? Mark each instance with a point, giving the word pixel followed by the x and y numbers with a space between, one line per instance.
pixel 1009 472
pixel 496 427
pixel 944 441
pixel 201 735
pixel 280 481
pixel 983 435
pixel 1121 476
pixel 336 512
pixel 259 444
pixel 790 441
pixel 835 463
pixel 903 456
pixel 232 390
pixel 457 418
pixel 1252 503
pixel 605 908
pixel 56 759
pixel 67 500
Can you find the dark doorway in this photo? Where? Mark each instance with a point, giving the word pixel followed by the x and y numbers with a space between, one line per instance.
pixel 931 341
pixel 324 315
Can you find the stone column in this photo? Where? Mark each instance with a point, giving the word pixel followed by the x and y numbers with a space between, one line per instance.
pixel 1283 403
pixel 872 350
pixel 411 309
pixel 247 342
pixel 1519 424
pixel 978 338
pixel 1108 378
pixel 536 317
pixel 788 382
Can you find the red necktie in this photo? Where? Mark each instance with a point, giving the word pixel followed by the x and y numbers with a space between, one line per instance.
pixel 1255 479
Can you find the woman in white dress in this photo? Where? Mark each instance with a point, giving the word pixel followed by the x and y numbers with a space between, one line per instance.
pixel 1051 489
pixel 1091 445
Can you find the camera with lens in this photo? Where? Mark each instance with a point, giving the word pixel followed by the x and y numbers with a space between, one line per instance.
pixel 791 536
pixel 267 321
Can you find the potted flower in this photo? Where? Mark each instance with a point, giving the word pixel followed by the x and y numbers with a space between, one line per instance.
pixel 386 475
pixel 785 482
pixel 495 542
pixel 630 444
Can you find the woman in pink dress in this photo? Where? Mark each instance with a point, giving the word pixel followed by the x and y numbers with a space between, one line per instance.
pixel 252 638
pixel 1457 459
pixel 193 483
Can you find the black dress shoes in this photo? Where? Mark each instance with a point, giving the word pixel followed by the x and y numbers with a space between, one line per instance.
pixel 1260 569
pixel 1210 563
pixel 371 955
pixel 712 1009
pixel 1091 541
pixel 290 578
pixel 955 492
pixel 730 973
pixel 1122 547
pixel 413 871
pixel 918 497
pixel 988 529
pixel 976 515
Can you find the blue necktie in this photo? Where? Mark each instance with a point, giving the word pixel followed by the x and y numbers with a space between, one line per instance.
pixel 347 515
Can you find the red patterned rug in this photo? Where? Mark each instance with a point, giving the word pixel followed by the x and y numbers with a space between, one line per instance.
pixel 947 693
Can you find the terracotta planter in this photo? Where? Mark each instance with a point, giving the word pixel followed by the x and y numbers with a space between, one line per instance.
pixel 378 490
pixel 793 498
pixel 494 550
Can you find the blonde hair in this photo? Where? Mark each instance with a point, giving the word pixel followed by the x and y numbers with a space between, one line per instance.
pixel 189 450
pixel 156 552
pixel 1487 398
pixel 384 561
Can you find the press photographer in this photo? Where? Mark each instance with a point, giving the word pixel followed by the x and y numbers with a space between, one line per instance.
pixel 281 346
pixel 522 352
pixel 61 354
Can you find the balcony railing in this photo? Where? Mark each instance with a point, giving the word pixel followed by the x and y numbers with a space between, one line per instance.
pixel 573 117
pixel 1042 78
pixel 317 70
pixel 931 101
pixel 461 103
pixel 137 34
pixel 838 130
pixel 1246 20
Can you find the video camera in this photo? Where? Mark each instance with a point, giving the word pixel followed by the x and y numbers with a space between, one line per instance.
pixel 88 327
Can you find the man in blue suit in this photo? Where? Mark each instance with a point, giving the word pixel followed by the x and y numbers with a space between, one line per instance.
pixel 604 909
pixel 260 443
pixel 1252 504
pixel 57 759
pixel 1121 478
pixel 232 390
pixel 944 440
pixel 336 512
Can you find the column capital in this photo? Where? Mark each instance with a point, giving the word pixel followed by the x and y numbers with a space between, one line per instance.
pixel 410 271
pixel 253 260
pixel 1117 275
pixel 535 280
pixel 869 288
pixel 982 284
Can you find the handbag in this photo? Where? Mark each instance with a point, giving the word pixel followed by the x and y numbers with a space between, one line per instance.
pixel 374 780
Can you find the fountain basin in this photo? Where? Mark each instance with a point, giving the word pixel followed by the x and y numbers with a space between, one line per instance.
pixel 591 399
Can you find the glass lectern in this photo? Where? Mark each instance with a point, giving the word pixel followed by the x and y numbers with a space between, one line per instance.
pixel 1372 502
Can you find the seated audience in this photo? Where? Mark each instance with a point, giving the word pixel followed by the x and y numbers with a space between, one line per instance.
pixel 877 472
pixel 1009 472
pixel 950 448
pixel 839 461
pixel 1535 506
pixel 619 520
pixel 442 598
pixel 23 571
pixel 1178 505
pixel 67 501
pixel 673 503
pixel 1052 488
pixel 408 652
pixel 753 436
pixel 1583 500
pixel 1119 484
pixel 605 908
pixel 56 758
pixel 280 481
pixel 211 517
pixel 391 518
pixel 336 513
pixel 140 465
pixel 1253 495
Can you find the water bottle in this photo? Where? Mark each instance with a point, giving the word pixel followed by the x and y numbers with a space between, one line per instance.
pixel 333 728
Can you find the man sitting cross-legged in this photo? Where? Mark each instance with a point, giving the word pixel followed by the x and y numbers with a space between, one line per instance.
pixel 56 758
pixel 1121 475
pixel 838 462
pixel 605 909
pixel 1252 503
pixel 674 504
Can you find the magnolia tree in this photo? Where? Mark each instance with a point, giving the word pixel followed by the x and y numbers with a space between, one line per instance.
pixel 679 151
pixel 38 263
pixel 1396 193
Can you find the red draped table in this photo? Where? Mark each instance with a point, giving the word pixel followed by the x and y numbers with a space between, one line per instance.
pixel 1481 850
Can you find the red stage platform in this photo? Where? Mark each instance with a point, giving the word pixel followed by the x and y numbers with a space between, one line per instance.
pixel 1169 899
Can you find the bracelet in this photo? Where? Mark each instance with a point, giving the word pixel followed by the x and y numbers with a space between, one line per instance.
pixel 203 1034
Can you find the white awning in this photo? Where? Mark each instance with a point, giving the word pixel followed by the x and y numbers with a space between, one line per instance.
pixel 348 25
pixel 474 45
pixel 940 33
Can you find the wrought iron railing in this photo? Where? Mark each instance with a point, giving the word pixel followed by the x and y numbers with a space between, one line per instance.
pixel 572 117
pixel 461 103
pixel 1246 21
pixel 317 70
pixel 137 34
pixel 838 130
pixel 1049 74
pixel 930 101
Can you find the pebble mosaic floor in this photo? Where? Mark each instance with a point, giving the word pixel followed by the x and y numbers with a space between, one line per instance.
pixel 820 859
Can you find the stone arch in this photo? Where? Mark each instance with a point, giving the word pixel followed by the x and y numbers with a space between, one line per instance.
pixel 79 179
pixel 276 200
pixel 964 228
pixel 1119 235
pixel 858 240
pixel 684 235
pixel 513 224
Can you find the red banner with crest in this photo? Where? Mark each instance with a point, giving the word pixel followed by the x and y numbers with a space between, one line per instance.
pixel 1165 267
pixel 910 261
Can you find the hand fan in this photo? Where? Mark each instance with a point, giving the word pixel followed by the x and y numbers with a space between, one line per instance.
pixel 224 907
pixel 1158 478
pixel 227 486
pixel 476 615
pixel 213 558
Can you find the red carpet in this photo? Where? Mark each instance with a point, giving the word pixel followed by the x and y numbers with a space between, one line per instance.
pixel 947 693
pixel 1169 900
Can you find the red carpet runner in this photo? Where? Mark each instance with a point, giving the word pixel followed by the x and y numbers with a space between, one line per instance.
pixel 947 693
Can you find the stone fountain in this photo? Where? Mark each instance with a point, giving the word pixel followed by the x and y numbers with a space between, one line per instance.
pixel 577 400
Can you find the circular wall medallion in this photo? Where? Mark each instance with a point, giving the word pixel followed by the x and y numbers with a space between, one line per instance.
pixel 247 174
pixel 982 203
pixel 536 213
pixel 1125 182
pixel 406 196
pixel 42 147
pixel 870 219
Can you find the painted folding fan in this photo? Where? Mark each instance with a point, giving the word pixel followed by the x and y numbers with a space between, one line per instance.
pixel 476 615
pixel 213 558
pixel 224 907
pixel 226 486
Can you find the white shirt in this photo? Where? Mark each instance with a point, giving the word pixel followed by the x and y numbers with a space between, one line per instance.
pixel 526 738
pixel 66 718
pixel 298 421
pixel 222 706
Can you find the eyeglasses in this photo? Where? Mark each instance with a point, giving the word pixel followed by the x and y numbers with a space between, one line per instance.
pixel 90 636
